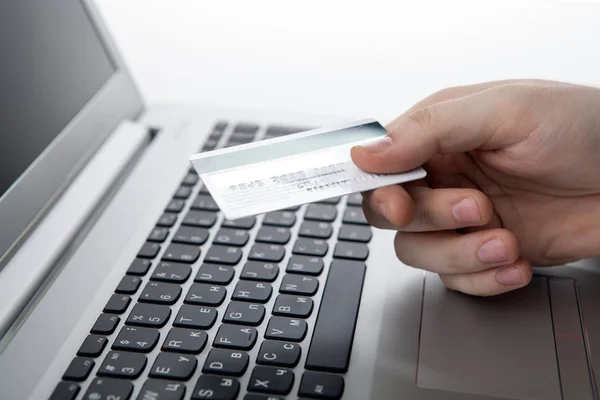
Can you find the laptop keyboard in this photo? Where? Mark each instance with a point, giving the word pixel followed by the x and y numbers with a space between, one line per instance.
pixel 205 292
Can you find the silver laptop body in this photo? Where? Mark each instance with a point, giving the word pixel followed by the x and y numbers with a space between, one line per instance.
pixel 77 210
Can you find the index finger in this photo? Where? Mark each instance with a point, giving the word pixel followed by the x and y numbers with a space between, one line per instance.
pixel 486 120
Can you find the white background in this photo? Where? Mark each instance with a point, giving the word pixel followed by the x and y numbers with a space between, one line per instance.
pixel 353 59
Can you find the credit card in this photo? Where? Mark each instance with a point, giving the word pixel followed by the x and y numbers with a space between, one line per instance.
pixel 296 169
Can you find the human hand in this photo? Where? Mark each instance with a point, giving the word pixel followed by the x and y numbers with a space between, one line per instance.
pixel 513 180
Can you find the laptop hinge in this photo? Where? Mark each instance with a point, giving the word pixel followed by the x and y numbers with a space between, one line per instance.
pixel 32 263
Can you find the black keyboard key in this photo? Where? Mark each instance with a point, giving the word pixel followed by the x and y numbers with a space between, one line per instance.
pixel 331 200
pixel 260 271
pixel 311 247
pixel 92 346
pixel 280 218
pixel 355 233
pixel 241 223
pixel 183 193
pixel 218 129
pixel 149 250
pixel 267 252
pixel 247 128
pixel 279 354
pixel 205 294
pixel 109 389
pixel 305 265
pixel 205 202
pixel 160 293
pixel 235 337
pixel 244 313
pixel 158 234
pixel 320 212
pixel 175 205
pixel 210 144
pixel 232 237
pixel 282 328
pixel 259 292
pixel 141 340
pixel 167 220
pixel 129 285
pixel 182 252
pixel 65 391
pixel 275 235
pixel 299 284
pixel 117 304
pixel 351 251
pixel 354 215
pixel 106 324
pixel 239 137
pixel 79 369
pixel 293 306
pixel 226 362
pixel 355 199
pixel 271 380
pixel 223 255
pixel 278 130
pixel 181 340
pixel 139 266
pixel 204 190
pixel 122 364
pixel 191 235
pixel 158 389
pixel 190 179
pixel 211 387
pixel 171 272
pixel 150 315
pixel 195 317
pixel 318 385
pixel 337 317
pixel 202 219
pixel 216 274
pixel 253 396
pixel 173 366
pixel 318 230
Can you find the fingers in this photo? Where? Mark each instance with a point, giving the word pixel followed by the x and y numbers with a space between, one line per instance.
pixel 452 126
pixel 422 209
pixel 492 281
pixel 453 253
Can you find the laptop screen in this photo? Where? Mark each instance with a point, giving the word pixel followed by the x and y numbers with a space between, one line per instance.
pixel 52 63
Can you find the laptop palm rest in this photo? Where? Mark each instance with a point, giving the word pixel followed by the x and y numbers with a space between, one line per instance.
pixel 500 346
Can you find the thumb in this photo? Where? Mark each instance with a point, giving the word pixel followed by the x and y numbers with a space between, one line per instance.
pixel 486 120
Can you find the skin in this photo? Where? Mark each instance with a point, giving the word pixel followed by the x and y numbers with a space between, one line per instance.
pixel 513 180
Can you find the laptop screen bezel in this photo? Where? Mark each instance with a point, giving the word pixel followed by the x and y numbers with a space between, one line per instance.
pixel 55 168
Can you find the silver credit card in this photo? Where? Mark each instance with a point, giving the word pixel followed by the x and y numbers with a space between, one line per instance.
pixel 301 168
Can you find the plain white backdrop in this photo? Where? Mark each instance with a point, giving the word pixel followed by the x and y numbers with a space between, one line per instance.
pixel 353 59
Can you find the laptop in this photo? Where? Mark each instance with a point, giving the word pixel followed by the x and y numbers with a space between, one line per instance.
pixel 120 278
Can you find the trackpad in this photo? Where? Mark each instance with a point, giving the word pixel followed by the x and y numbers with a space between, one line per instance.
pixel 501 346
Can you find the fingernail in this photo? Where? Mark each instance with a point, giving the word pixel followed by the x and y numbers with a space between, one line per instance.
pixel 383 210
pixel 493 251
pixel 509 276
pixel 378 145
pixel 466 211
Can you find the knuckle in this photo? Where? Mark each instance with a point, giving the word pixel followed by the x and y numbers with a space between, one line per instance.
pixel 429 217
pixel 423 117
